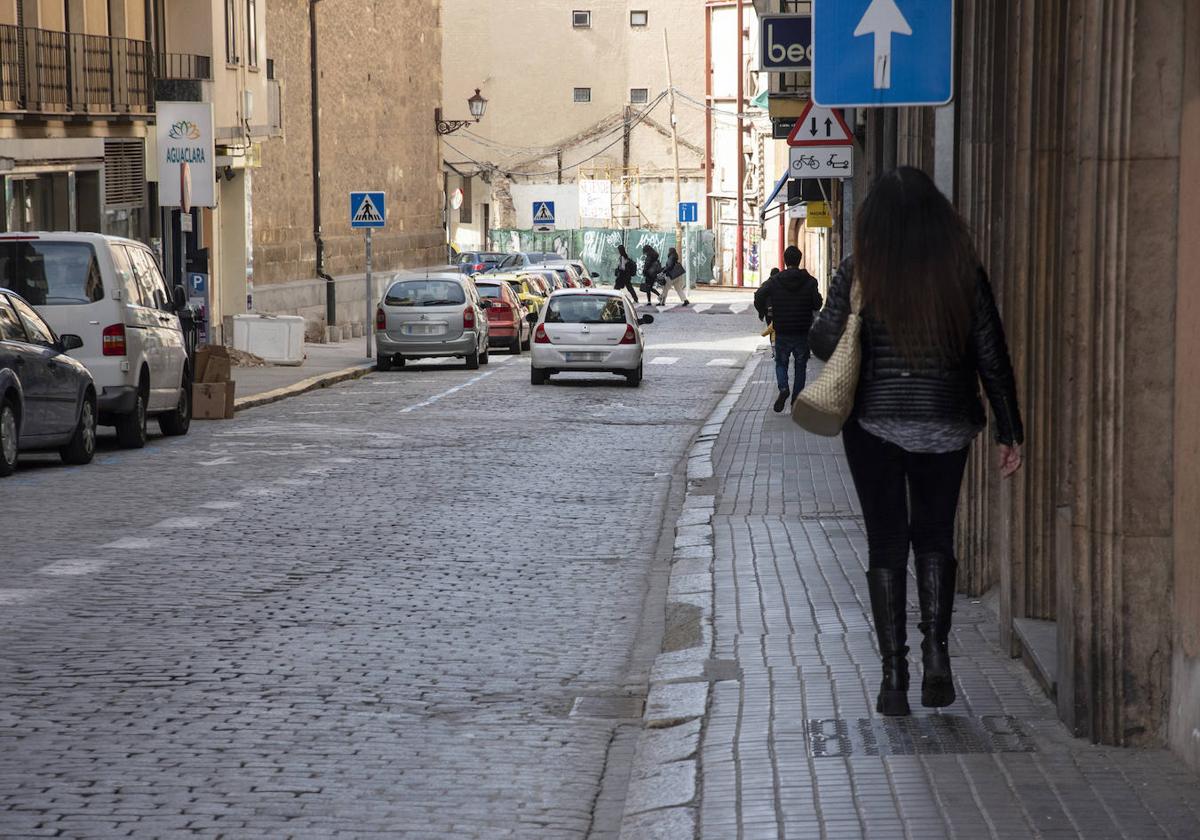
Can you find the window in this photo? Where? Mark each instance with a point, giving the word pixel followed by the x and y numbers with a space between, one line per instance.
pixel 231 45
pixel 51 273
pixel 639 96
pixel 425 293
pixel 581 19
pixel 10 327
pixel 35 327
pixel 464 212
pixel 583 94
pixel 639 17
pixel 585 309
pixel 252 32
pixel 146 285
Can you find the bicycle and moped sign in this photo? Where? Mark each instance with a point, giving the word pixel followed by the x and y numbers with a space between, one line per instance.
pixel 828 162
pixel 822 145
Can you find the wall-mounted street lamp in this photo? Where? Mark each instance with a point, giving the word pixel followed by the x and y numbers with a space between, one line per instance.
pixel 477 104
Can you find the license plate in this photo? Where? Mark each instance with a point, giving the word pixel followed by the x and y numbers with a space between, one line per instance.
pixel 424 329
pixel 584 357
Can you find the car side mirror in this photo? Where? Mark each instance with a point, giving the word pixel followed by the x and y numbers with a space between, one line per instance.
pixel 68 342
pixel 646 319
pixel 596 275
pixel 532 317
pixel 180 295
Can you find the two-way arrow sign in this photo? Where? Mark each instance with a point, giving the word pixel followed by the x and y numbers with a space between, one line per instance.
pixel 819 126
pixel 882 19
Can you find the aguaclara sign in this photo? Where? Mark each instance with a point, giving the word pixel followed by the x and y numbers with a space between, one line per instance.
pixel 185 136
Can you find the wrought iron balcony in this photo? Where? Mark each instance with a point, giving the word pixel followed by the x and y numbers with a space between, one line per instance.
pixel 48 72
pixel 184 66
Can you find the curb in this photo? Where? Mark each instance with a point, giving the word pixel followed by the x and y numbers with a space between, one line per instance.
pixel 661 800
pixel 323 380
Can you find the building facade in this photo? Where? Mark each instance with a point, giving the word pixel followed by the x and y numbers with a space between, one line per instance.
pixel 1073 149
pixel 378 81
pixel 577 113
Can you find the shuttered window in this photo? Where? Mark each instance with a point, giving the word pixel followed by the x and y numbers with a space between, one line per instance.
pixel 124 174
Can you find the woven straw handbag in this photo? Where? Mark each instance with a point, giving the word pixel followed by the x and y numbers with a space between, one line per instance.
pixel 825 403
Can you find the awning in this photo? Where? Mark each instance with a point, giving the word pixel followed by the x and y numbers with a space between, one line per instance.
pixel 779 185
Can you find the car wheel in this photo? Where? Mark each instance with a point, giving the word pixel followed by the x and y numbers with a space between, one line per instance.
pixel 383 362
pixel 525 343
pixel 634 378
pixel 473 361
pixel 83 443
pixel 9 436
pixel 484 357
pixel 177 422
pixel 538 376
pixel 515 347
pixel 131 427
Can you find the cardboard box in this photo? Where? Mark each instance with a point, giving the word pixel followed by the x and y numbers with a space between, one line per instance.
pixel 213 400
pixel 213 364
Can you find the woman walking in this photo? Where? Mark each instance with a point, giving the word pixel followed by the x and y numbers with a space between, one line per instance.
pixel 930 333
pixel 673 278
pixel 651 268
pixel 626 269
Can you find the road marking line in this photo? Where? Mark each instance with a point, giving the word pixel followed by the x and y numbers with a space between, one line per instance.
pixel 188 522
pixel 664 360
pixel 221 505
pixel 444 394
pixel 216 462
pixel 75 567
pixel 133 542
pixel 720 363
pixel 702 307
pixel 12 597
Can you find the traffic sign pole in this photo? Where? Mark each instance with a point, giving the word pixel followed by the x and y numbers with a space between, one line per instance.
pixel 369 331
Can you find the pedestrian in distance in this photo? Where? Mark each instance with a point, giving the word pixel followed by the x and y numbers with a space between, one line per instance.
pixel 651 268
pixel 930 332
pixel 674 277
pixel 626 269
pixel 790 299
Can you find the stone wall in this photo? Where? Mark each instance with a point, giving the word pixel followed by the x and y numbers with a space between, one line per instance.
pixel 380 80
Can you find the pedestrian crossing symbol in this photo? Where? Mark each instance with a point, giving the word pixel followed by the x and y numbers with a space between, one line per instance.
pixel 367 210
pixel 543 214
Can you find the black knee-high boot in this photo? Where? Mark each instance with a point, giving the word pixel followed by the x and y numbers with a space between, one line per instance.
pixel 936 575
pixel 887 588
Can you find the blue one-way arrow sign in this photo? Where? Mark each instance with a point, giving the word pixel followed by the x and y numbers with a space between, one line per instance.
pixel 870 53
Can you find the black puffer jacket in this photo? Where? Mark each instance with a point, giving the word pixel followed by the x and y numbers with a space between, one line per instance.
pixel 890 388
pixel 792 297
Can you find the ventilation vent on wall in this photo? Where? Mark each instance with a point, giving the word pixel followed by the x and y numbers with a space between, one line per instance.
pixel 124 174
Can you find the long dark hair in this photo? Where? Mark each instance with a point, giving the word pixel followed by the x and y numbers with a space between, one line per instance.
pixel 621 251
pixel 916 264
pixel 672 254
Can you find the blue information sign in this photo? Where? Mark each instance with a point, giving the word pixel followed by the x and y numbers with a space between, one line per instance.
pixel 785 42
pixel 543 213
pixel 367 210
pixel 689 211
pixel 869 53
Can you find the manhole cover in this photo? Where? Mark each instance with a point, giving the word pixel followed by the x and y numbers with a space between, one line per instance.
pixel 929 735
pixel 614 708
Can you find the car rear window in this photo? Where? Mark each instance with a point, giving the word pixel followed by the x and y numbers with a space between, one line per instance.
pixel 489 291
pixel 425 293
pixel 51 273
pixel 585 309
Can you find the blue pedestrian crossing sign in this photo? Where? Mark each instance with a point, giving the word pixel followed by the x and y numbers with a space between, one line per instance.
pixel 367 210
pixel 870 53
pixel 543 214
pixel 689 211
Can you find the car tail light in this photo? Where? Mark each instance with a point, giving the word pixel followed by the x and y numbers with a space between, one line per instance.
pixel 113 340
pixel 540 336
pixel 499 306
pixel 380 319
pixel 630 336
pixel 468 318
pixel 479 267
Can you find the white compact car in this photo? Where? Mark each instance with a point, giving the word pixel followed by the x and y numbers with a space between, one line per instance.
pixel 587 330
pixel 110 292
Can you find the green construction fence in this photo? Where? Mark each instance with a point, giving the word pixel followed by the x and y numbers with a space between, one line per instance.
pixel 597 247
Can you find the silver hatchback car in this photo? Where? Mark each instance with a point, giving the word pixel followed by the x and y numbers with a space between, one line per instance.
pixel 431 316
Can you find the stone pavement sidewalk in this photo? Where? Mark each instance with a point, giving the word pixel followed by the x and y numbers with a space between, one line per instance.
pixel 790 745
pixel 324 365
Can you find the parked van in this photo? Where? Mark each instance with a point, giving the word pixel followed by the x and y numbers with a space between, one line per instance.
pixel 110 292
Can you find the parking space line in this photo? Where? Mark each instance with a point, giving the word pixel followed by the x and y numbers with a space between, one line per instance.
pixel 133 542
pixel 664 360
pixel 187 522
pixel 431 400
pixel 70 568
pixel 221 505
pixel 720 363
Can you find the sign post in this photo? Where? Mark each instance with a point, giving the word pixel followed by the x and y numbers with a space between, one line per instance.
pixel 368 210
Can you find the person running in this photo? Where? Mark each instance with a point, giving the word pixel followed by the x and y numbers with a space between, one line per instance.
pixel 930 333
pixel 651 268
pixel 674 278
pixel 790 299
pixel 626 269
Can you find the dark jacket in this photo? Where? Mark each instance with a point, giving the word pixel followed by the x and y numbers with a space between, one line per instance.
pixel 651 269
pixel 672 269
pixel 889 387
pixel 790 299
pixel 626 268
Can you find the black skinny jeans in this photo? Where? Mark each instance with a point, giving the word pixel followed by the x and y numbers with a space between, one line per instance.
pixel 890 479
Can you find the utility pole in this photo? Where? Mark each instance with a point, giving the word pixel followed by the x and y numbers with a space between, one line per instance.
pixel 675 146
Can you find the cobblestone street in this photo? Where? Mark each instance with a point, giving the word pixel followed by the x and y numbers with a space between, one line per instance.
pixel 421 604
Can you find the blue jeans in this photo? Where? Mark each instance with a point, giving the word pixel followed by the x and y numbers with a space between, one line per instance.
pixel 791 347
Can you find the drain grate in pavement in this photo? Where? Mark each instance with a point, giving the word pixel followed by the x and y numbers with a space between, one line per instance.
pixel 927 735
pixel 613 708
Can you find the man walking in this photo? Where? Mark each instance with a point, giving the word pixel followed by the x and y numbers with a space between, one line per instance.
pixel 788 301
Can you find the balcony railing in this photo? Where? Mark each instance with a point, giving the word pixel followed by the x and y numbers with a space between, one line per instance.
pixel 184 66
pixel 44 71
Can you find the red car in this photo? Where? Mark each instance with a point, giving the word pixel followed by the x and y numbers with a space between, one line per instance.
pixel 507 326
